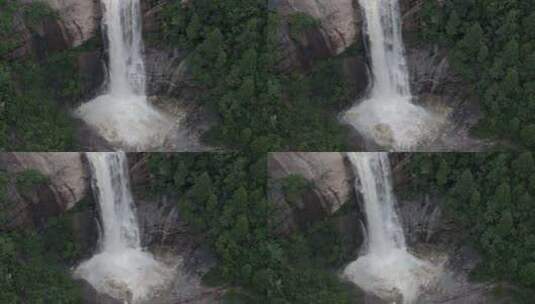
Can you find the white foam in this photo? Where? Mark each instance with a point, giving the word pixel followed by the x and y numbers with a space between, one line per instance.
pixel 129 274
pixel 388 115
pixel 385 268
pixel 121 268
pixel 123 116
pixel 392 121
pixel 127 121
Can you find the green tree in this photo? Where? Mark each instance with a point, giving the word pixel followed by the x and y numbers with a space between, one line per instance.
pixel 194 28
pixel 442 174
pixel 454 22
pixel 527 135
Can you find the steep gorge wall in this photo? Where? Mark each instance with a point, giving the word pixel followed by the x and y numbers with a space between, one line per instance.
pixel 338 28
pixel 430 233
pixel 330 185
pixel 77 22
pixel 67 183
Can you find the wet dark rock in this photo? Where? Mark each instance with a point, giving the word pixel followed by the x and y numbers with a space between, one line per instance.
pixel 91 296
pixel 92 73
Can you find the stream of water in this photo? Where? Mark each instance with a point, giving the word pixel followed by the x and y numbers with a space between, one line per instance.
pixel 388 117
pixel 385 268
pixel 122 115
pixel 121 268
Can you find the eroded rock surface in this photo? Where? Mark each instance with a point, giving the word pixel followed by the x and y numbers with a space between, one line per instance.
pixel 330 178
pixel 338 28
pixel 80 19
pixel 67 184
pixel 170 238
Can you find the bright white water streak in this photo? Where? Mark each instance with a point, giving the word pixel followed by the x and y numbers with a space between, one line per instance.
pixel 388 116
pixel 123 116
pixel 121 268
pixel 386 268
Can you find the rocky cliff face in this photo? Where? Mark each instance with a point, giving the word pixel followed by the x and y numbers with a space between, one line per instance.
pixel 337 29
pixel 78 21
pixel 67 184
pixel 439 88
pixel 170 238
pixel 329 176
pixel 430 233
pixel 61 26
pixel 339 25
pixel 435 236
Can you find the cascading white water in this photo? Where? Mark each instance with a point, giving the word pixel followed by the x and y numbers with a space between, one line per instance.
pixel 127 70
pixel 123 116
pixel 388 116
pixel 121 268
pixel 386 268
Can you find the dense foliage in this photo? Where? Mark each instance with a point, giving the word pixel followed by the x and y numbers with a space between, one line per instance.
pixel 492 45
pixel 492 196
pixel 234 56
pixel 31 90
pixel 33 263
pixel 222 196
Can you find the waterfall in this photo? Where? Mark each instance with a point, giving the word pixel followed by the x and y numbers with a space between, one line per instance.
pixel 388 116
pixel 385 268
pixel 385 233
pixel 123 25
pixel 386 47
pixel 121 268
pixel 119 222
pixel 123 115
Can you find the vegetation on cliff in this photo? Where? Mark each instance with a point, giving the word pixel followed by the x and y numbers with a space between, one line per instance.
pixel 234 57
pixel 31 90
pixel 34 261
pixel 223 197
pixel 491 195
pixel 492 45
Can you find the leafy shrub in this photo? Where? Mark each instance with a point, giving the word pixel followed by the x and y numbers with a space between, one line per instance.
pixel 300 23
pixel 28 179
pixel 294 187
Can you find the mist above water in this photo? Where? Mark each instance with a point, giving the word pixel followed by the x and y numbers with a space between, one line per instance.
pixel 121 268
pixel 122 115
pixel 388 117
pixel 385 268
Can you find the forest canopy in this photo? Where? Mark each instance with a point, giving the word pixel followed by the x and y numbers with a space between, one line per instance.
pixel 34 261
pixel 491 195
pixel 492 45
pixel 234 57
pixel 223 197
pixel 31 89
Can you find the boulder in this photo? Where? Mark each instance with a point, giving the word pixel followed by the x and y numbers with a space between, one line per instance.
pixel 77 21
pixel 80 19
pixel 90 66
pixel 338 19
pixel 67 184
pixel 338 28
pixel 331 179
pixel 91 296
